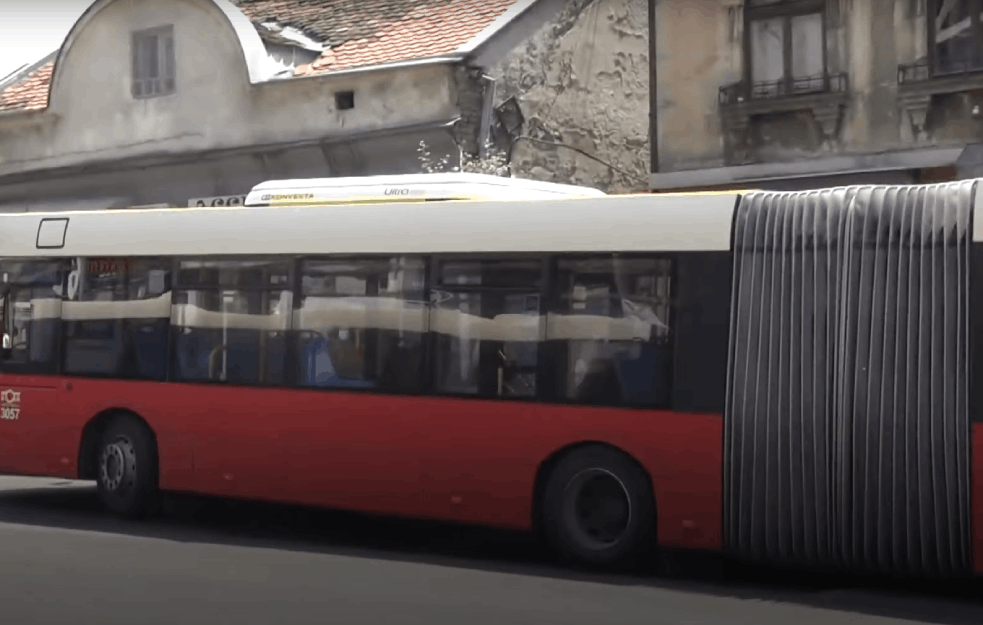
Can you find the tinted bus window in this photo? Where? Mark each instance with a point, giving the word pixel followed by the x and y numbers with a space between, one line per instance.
pixel 115 317
pixel 34 291
pixel 488 326
pixel 360 323
pixel 611 323
pixel 230 320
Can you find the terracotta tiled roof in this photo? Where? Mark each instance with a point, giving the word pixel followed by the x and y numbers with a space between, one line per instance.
pixel 368 32
pixel 355 33
pixel 29 93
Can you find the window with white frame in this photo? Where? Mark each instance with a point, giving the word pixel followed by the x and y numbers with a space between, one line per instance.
pixel 153 62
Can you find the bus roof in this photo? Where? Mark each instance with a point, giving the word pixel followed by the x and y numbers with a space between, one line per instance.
pixel 410 187
pixel 642 223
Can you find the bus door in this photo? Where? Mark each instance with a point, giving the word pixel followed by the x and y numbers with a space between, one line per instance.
pixel 33 406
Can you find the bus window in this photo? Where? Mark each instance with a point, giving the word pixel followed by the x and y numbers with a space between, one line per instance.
pixel 230 320
pixel 611 329
pixel 488 326
pixel 115 317
pixel 360 323
pixel 34 291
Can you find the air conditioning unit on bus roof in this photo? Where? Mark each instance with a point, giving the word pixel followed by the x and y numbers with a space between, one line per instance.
pixel 409 188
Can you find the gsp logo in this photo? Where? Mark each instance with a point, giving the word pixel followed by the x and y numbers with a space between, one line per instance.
pixel 10 405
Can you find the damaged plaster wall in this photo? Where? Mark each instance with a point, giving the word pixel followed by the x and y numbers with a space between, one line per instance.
pixel 699 50
pixel 582 81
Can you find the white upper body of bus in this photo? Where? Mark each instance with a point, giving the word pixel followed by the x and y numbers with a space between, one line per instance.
pixel 438 213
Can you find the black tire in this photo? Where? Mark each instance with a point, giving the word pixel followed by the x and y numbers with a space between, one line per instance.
pixel 127 469
pixel 618 540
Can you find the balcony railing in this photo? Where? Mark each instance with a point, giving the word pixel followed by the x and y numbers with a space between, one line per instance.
pixel 741 92
pixel 922 70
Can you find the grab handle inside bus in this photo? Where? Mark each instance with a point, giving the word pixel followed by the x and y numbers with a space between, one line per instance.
pixel 213 363
pixel 5 323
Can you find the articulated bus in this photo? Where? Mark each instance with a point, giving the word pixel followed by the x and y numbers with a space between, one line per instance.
pixel 786 377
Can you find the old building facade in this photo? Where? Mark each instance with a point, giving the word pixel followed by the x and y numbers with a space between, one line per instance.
pixel 574 97
pixel 806 93
pixel 166 102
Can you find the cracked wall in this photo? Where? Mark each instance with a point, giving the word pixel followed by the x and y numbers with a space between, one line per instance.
pixel 699 50
pixel 582 84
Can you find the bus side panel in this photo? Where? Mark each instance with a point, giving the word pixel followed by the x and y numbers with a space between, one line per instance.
pixel 475 461
pixel 687 472
pixel 44 438
pixel 482 458
pixel 38 434
pixel 467 460
pixel 977 504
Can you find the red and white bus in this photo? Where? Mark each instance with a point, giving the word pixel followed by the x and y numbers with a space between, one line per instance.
pixel 789 377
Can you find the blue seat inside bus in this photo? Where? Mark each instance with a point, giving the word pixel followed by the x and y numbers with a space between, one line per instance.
pixel 42 339
pixel 192 350
pixel 103 349
pixel 94 356
pixel 241 356
pixel 317 367
pixel 645 379
pixel 149 347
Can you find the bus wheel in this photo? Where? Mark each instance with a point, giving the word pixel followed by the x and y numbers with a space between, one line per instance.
pixel 127 468
pixel 598 509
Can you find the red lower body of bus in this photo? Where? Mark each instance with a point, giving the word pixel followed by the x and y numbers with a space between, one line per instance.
pixel 463 460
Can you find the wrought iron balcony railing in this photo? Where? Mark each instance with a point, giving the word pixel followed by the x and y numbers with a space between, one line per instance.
pixel 741 92
pixel 922 70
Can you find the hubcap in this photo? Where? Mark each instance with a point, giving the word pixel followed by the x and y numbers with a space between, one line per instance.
pixel 116 465
pixel 599 507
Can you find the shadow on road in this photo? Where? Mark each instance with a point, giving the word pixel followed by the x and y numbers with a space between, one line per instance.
pixel 247 524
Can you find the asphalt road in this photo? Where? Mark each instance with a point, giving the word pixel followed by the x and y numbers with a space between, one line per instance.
pixel 216 563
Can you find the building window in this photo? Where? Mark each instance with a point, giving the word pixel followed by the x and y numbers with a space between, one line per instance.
pixel 786 47
pixel 957 36
pixel 153 62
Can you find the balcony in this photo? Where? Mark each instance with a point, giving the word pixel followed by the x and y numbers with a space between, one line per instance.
pixel 778 96
pixel 823 96
pixel 947 76
pixel 921 81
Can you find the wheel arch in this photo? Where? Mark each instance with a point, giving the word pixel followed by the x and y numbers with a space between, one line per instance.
pixel 549 463
pixel 92 433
